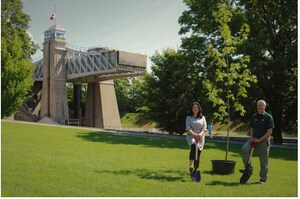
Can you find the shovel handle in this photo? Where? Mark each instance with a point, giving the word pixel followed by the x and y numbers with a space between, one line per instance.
pixel 196 158
pixel 251 152
pixel 196 148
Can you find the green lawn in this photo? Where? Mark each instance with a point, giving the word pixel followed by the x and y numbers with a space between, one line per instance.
pixel 39 160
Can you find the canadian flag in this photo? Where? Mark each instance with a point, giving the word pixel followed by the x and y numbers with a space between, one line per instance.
pixel 52 16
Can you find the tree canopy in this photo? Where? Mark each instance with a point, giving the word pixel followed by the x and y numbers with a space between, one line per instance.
pixel 227 75
pixel 170 90
pixel 16 49
pixel 129 93
pixel 249 46
pixel 271 45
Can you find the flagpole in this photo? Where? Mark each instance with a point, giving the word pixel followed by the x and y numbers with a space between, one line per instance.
pixel 55 13
pixel 52 17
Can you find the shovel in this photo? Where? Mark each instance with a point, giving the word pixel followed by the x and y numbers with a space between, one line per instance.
pixel 248 171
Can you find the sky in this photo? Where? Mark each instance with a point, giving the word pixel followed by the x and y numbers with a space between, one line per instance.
pixel 138 26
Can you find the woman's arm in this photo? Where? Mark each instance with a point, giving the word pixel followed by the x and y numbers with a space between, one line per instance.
pixel 203 132
pixel 190 132
pixel 188 127
pixel 204 128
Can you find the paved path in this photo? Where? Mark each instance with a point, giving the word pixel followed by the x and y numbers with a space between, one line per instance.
pixel 287 142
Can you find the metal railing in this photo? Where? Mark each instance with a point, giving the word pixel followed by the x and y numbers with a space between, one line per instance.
pixel 78 48
pixel 73 121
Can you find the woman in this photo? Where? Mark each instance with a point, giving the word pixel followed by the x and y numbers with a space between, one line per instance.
pixel 196 128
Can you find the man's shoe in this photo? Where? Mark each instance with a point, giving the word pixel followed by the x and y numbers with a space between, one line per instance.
pixel 242 171
pixel 262 181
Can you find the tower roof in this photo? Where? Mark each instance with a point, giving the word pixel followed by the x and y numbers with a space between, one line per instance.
pixel 55 31
pixel 55 27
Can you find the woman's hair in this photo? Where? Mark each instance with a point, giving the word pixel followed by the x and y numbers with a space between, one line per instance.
pixel 200 113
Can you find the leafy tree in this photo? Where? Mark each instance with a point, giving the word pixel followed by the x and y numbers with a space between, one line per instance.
pixel 135 93
pixel 199 26
pixel 170 89
pixel 227 75
pixel 272 46
pixel 16 49
pixel 205 43
pixel 122 87
pixel 129 93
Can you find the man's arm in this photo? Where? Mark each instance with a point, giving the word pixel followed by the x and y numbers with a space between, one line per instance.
pixel 266 135
pixel 251 135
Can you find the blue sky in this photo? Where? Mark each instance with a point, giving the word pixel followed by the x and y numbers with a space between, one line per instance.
pixel 139 26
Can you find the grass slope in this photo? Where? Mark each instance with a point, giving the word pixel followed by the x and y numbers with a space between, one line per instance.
pixel 40 160
pixel 137 120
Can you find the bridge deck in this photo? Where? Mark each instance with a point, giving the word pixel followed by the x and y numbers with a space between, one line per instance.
pixel 98 64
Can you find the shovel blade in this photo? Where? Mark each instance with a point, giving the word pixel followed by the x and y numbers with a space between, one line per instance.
pixel 245 177
pixel 249 169
pixel 247 174
pixel 196 176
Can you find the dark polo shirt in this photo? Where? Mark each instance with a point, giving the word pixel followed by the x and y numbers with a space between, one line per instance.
pixel 261 123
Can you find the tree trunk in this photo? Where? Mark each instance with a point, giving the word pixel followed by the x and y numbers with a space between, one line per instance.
pixel 277 135
pixel 277 111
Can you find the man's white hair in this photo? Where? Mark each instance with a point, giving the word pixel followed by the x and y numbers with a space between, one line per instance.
pixel 262 102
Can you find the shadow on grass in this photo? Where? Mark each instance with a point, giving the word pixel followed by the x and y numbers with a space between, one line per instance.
pixel 209 172
pixel 165 175
pixel 123 139
pixel 217 182
pixel 231 184
pixel 285 154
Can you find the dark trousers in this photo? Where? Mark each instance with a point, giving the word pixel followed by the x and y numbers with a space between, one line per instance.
pixel 193 156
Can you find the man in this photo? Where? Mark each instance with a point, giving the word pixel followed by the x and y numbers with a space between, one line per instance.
pixel 261 125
